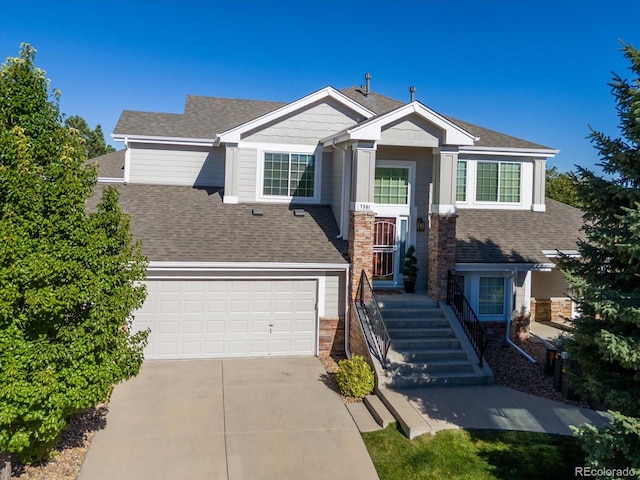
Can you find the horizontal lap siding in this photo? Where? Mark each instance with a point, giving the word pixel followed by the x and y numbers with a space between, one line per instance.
pixel 309 126
pixel 177 165
pixel 247 174
pixel 334 295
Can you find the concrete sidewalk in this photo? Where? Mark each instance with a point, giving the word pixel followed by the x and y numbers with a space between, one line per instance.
pixel 496 407
pixel 228 420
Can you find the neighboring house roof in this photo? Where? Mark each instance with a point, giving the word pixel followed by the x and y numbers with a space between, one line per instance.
pixel 110 165
pixel 185 224
pixel 516 236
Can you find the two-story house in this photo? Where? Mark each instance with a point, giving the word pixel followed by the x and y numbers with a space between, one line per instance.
pixel 259 217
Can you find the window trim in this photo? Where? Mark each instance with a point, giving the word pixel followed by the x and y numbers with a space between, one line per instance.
pixel 466 181
pixel 287 149
pixel 399 209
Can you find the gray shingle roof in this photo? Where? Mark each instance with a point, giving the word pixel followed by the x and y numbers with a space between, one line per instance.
pixel 185 224
pixel 110 165
pixel 205 117
pixel 516 236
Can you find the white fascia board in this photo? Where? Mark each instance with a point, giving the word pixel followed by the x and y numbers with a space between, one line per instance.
pixel 372 130
pixel 233 135
pixel 110 180
pixel 503 267
pixel 244 266
pixel 558 253
pixel 513 152
pixel 197 142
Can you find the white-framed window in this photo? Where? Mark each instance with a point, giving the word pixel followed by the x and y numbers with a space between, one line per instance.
pixel 491 296
pixel 288 175
pixel 498 182
pixel 391 185
pixel 461 181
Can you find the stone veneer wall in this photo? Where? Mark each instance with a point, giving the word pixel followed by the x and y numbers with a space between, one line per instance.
pixel 332 337
pixel 551 309
pixel 361 232
pixel 442 254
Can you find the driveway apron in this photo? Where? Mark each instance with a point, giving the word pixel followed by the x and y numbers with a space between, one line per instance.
pixel 228 419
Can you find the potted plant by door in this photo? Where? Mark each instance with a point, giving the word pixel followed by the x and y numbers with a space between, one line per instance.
pixel 410 269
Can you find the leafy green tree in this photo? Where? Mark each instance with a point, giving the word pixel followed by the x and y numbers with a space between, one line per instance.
pixel 95 143
pixel 562 186
pixel 69 280
pixel 606 277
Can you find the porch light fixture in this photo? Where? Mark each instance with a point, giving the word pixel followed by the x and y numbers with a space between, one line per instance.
pixel 420 226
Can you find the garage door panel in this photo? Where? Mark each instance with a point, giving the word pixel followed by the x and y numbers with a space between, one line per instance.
pixel 229 318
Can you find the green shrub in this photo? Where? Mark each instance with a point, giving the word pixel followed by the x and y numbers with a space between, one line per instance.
pixel 355 377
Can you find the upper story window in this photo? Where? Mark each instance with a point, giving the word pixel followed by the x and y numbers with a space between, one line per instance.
pixel 498 182
pixel 461 181
pixel 289 175
pixel 391 185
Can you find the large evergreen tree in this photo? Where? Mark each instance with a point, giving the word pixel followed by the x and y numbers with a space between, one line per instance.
pixel 95 144
pixel 606 279
pixel 69 280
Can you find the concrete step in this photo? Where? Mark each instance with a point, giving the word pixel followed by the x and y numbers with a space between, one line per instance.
pixel 419 355
pixel 434 366
pixel 416 322
pixel 405 301
pixel 442 379
pixel 411 422
pixel 379 411
pixel 418 333
pixel 408 344
pixel 362 417
pixel 414 312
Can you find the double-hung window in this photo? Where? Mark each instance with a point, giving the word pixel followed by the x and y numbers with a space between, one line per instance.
pixel 498 182
pixel 289 175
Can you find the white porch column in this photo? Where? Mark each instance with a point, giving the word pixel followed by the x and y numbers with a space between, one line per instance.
pixel 363 175
pixel 539 184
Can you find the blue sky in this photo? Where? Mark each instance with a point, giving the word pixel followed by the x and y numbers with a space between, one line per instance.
pixel 533 69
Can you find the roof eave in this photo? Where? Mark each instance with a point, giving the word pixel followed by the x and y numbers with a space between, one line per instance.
pixel 127 139
pixel 510 151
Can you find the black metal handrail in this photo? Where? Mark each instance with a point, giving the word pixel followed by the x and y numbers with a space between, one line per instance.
pixel 466 316
pixel 374 329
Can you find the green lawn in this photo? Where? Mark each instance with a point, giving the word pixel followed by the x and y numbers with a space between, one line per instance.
pixel 473 454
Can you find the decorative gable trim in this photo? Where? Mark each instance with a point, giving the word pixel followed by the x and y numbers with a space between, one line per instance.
pixel 372 129
pixel 234 135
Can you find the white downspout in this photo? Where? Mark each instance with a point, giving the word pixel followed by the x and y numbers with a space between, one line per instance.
pixel 347 313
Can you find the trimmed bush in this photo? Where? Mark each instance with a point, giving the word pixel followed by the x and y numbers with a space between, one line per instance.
pixel 355 377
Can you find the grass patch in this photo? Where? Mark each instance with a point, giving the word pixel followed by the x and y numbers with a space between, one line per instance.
pixel 473 454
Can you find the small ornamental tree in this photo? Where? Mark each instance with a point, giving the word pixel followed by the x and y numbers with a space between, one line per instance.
pixel 606 279
pixel 69 280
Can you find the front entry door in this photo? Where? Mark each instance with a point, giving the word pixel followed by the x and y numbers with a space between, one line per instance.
pixel 389 243
pixel 384 249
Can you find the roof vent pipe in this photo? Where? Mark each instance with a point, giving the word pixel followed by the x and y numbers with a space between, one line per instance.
pixel 412 89
pixel 367 87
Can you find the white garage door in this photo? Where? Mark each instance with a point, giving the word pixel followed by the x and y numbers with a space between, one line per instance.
pixel 228 318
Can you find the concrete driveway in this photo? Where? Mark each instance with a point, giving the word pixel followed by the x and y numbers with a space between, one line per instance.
pixel 228 419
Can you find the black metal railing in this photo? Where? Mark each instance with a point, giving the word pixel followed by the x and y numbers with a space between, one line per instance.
pixel 370 317
pixel 466 316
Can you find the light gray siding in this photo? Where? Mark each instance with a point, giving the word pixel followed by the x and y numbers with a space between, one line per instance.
pixel 334 296
pixel 308 126
pixel 334 182
pixel 176 165
pixel 327 174
pixel 247 174
pixel 411 132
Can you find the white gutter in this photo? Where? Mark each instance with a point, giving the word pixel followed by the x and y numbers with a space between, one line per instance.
pixel 516 152
pixel 198 142
pixel 244 266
